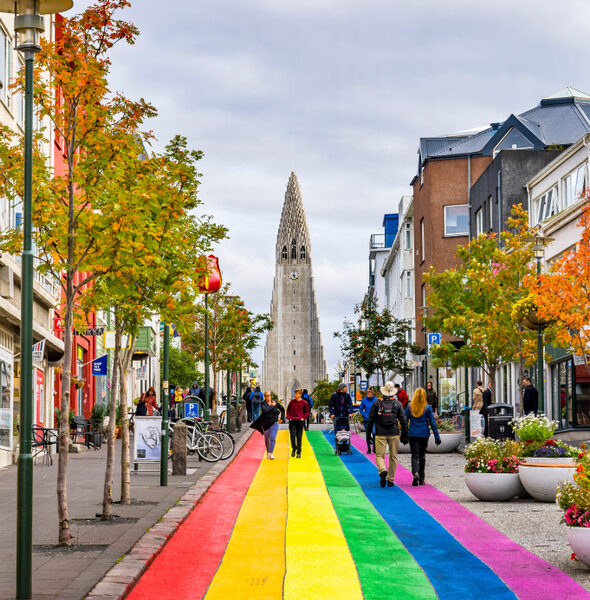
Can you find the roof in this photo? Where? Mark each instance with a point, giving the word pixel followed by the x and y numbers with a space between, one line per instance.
pixel 558 120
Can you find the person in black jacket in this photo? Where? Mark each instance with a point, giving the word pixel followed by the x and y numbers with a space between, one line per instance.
pixel 341 403
pixel 268 422
pixel 487 400
pixel 246 399
pixel 530 398
pixel 385 415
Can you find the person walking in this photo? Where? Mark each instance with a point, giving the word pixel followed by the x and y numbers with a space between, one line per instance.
pixel 365 410
pixel 477 400
pixel 194 390
pixel 486 400
pixel 297 412
pixel 530 397
pixel 402 397
pixel 420 416
pixel 268 423
pixel 432 397
pixel 385 416
pixel 341 403
pixel 309 401
pixel 246 399
pixel 141 409
pixel 256 398
pixel 151 401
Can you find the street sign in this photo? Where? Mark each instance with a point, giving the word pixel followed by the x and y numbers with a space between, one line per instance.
pixel 364 385
pixel 191 409
pixel 99 366
pixel 432 339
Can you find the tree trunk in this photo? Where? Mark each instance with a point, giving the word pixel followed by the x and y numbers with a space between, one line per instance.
pixel 64 425
pixel 125 461
pixel 107 498
pixel 492 380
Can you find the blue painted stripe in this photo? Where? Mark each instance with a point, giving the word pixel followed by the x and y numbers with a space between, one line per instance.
pixel 454 572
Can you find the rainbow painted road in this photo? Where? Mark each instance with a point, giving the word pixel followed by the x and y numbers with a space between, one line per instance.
pixel 322 527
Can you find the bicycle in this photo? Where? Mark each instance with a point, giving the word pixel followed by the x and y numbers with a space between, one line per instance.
pixel 206 445
pixel 196 425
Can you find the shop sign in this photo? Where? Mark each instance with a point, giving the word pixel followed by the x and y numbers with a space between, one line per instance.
pixel 99 366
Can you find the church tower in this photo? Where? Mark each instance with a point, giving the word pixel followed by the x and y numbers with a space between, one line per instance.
pixel 293 355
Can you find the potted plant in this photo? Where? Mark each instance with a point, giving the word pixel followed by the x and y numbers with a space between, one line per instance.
pixel 97 415
pixel 573 497
pixel 450 436
pixel 491 469
pixel 544 465
pixel 525 312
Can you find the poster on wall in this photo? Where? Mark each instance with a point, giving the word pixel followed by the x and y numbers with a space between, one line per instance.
pixel 476 423
pixel 146 446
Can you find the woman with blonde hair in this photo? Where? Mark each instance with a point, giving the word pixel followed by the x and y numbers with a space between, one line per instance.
pixel 420 417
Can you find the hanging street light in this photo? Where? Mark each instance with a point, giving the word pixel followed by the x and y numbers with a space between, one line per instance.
pixel 28 25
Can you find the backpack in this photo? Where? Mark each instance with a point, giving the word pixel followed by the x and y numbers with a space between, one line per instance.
pixel 257 397
pixel 387 412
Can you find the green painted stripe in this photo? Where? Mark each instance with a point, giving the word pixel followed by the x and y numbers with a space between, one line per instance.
pixel 386 569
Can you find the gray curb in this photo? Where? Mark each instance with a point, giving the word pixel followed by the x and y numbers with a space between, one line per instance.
pixel 121 578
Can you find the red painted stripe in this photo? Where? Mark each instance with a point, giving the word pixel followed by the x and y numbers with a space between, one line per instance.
pixel 188 562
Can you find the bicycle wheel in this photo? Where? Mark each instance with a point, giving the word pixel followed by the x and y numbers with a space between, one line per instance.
pixel 209 447
pixel 192 436
pixel 227 441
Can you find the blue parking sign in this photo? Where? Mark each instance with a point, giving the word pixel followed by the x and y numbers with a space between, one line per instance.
pixel 364 385
pixel 191 409
pixel 431 339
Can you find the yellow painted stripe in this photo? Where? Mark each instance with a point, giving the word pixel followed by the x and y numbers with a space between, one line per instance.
pixel 319 563
pixel 253 565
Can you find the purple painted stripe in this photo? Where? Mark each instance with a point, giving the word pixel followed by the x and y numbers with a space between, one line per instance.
pixel 527 575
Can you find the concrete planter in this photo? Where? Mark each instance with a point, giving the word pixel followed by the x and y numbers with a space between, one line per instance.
pixel 450 442
pixel 579 540
pixel 560 461
pixel 541 479
pixel 494 486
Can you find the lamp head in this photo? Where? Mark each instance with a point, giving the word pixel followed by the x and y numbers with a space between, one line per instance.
pixel 539 242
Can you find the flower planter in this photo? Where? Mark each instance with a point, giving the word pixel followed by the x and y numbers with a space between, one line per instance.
pixel 494 486
pixel 579 540
pixel 540 479
pixel 562 460
pixel 450 442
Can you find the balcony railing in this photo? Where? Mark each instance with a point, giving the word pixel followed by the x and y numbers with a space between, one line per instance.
pixel 377 241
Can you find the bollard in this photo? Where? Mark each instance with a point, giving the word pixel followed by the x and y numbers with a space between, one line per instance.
pixel 179 449
pixel 232 418
pixel 239 417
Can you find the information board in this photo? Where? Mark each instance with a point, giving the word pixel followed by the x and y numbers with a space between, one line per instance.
pixel 147 440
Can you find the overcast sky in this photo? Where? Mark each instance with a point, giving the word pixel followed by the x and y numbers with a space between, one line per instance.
pixel 339 91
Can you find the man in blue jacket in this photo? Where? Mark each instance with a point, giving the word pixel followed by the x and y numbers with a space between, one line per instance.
pixel 341 403
pixel 365 410
pixel 309 401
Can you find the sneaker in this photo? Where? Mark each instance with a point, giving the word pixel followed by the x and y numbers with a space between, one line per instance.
pixel 293 453
pixel 421 482
pixel 382 477
pixel 271 456
pixel 416 479
pixel 298 454
pixel 369 450
pixel 390 484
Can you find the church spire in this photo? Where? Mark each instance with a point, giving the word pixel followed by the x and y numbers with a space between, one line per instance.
pixel 293 243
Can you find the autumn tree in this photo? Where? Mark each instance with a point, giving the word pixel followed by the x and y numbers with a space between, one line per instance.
pixel 474 300
pixel 234 332
pixel 322 392
pixel 377 341
pixel 562 296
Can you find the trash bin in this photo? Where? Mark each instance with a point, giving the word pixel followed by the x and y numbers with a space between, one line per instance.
pixel 499 417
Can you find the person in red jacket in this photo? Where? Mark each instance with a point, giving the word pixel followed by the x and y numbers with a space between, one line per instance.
pixel 297 413
pixel 402 397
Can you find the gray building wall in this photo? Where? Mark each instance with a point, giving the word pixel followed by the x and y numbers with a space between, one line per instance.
pixel 505 178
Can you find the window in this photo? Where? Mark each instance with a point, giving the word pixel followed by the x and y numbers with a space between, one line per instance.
pixel 491 209
pixel 294 367
pixel 293 309
pixel 284 253
pixel 478 222
pixel 294 249
pixel 294 352
pixel 4 77
pixel 408 277
pixel 422 238
pixel 302 253
pixel 573 186
pixel 408 230
pixel 6 405
pixel 293 336
pixel 457 219
pixel 545 206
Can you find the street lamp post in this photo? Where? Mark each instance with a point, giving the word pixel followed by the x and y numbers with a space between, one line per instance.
pixel 28 25
pixel 164 407
pixel 539 242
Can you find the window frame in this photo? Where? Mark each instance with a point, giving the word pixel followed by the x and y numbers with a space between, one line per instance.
pixel 460 234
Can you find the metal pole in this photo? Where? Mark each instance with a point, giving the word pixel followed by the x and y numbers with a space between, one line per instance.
pixel 206 357
pixel 425 359
pixel 228 399
pixel 540 361
pixel 164 407
pixel 24 511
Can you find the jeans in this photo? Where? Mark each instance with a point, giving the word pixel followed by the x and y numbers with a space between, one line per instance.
pixel 418 449
pixel 255 411
pixel 370 435
pixel 381 444
pixel 296 431
pixel 270 437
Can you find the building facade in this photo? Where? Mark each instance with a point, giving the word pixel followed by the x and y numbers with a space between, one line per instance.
pixel 294 354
